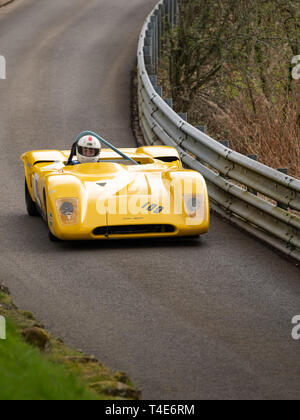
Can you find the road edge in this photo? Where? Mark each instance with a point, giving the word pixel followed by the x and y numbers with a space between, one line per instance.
pixel 86 368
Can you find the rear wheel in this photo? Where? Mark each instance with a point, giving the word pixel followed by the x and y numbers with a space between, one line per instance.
pixel 30 204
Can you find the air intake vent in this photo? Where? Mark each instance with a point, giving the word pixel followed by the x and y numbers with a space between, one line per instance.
pixel 133 229
pixel 168 159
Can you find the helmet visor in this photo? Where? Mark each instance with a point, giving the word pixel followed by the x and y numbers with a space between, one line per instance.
pixel 88 151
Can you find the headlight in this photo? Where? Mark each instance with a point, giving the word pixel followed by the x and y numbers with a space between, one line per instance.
pixel 192 205
pixel 68 210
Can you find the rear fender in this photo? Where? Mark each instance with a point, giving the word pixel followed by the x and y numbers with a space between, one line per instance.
pixel 30 159
pixel 164 153
pixel 28 174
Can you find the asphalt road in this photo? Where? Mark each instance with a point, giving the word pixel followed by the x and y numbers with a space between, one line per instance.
pixel 186 319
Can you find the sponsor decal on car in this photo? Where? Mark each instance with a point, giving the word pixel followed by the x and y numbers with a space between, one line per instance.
pixel 51 219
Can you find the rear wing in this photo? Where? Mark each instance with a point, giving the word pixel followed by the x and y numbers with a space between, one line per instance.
pixel 163 153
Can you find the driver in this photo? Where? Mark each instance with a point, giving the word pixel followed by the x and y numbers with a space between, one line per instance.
pixel 88 150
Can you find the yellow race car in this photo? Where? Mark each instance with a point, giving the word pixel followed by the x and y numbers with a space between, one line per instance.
pixel 126 193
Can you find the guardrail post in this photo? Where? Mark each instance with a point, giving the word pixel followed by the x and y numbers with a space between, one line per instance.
pixel 159 30
pixel 154 21
pixel 172 13
pixel 201 128
pixel 225 143
pixel 162 26
pixel 176 10
pixel 153 34
pixel 284 171
pixel 149 58
pixel 253 157
pixel 162 8
pixel 183 115
pixel 169 101
pixel 169 11
pixel 148 54
pixel 153 79
pixel 159 90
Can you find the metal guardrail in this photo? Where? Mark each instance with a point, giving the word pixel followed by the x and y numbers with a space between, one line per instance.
pixel 259 199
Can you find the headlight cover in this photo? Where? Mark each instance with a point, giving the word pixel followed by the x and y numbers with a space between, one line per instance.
pixel 192 204
pixel 68 210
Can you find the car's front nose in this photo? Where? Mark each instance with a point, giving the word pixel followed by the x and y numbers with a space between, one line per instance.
pixel 138 216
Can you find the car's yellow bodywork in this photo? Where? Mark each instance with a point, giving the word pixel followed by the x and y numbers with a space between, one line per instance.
pixel 116 199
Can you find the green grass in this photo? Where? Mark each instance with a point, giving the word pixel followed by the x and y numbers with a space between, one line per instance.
pixel 25 374
pixel 57 372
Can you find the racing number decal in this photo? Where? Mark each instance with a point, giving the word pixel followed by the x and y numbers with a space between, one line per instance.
pixel 155 208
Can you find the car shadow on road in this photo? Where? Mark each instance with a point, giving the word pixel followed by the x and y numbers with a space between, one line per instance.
pixel 133 244
pixel 34 232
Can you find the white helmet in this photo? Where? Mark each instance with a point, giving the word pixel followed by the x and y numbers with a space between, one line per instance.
pixel 88 149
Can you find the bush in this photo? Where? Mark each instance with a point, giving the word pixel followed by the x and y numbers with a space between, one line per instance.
pixel 229 64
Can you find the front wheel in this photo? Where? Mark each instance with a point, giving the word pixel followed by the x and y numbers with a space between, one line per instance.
pixel 30 204
pixel 52 237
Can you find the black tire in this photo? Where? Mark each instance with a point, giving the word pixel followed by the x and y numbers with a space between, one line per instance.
pixel 30 204
pixel 52 237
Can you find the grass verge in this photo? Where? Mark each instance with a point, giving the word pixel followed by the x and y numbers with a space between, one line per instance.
pixel 34 365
